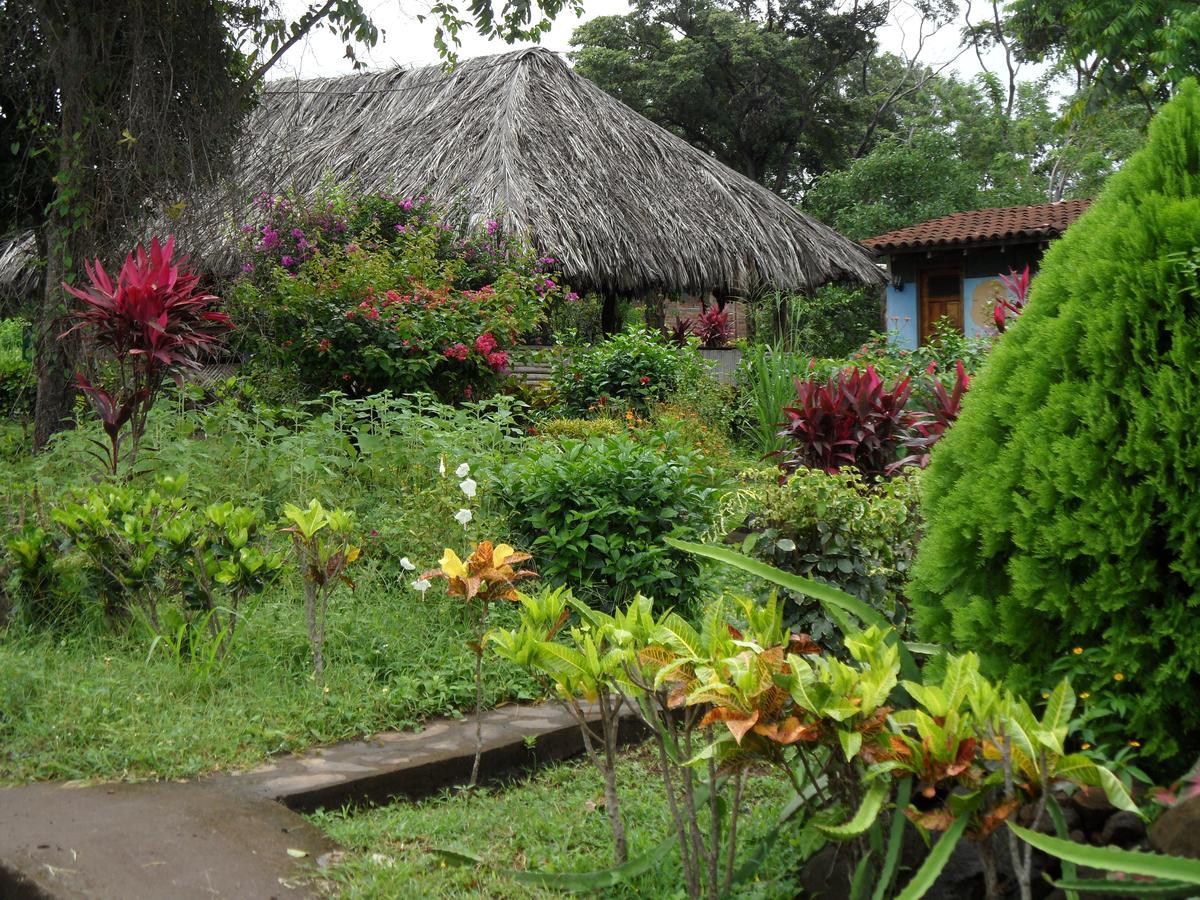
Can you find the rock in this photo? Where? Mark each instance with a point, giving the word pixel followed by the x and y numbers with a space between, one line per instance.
pixel 1177 831
pixel 827 874
pixel 1093 808
pixel 1123 828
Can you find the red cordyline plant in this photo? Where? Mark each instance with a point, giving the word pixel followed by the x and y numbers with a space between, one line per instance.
pixel 849 420
pixel 924 428
pixel 713 328
pixel 1014 304
pixel 153 322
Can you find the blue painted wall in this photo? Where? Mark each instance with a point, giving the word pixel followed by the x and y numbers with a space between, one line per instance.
pixel 976 322
pixel 902 313
pixel 980 265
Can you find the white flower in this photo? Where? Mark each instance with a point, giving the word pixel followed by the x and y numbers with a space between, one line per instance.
pixel 422 585
pixel 463 516
pixel 463 471
pixel 407 564
pixel 468 486
pixel 442 466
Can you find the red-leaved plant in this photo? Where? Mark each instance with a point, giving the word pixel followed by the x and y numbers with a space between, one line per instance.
pixel 849 420
pixel 1011 306
pixel 713 328
pixel 151 324
pixel 924 428
pixel 681 329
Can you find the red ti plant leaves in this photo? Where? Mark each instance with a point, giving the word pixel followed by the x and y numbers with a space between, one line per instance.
pixel 713 328
pixel 924 428
pixel 1011 306
pixel 156 310
pixel 153 321
pixel 852 419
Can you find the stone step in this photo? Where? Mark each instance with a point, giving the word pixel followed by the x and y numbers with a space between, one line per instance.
pixel 239 834
pixel 414 764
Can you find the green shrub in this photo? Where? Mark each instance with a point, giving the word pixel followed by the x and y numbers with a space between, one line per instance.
pixel 386 293
pixel 838 529
pixel 636 367
pixel 1062 508
pixel 579 429
pixel 833 321
pixel 595 513
pixel 16 370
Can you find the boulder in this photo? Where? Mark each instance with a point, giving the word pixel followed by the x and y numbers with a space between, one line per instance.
pixel 1177 831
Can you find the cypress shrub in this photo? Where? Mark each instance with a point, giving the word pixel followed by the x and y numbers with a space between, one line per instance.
pixel 1063 508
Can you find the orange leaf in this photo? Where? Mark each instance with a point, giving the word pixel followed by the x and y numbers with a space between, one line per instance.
pixel 735 720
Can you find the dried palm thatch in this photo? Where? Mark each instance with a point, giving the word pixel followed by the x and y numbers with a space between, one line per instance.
pixel 624 205
pixel 19 270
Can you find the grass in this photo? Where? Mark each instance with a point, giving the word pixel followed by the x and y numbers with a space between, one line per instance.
pixel 86 700
pixel 102 706
pixel 552 821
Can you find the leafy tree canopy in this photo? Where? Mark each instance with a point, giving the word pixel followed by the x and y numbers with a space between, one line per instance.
pixel 958 146
pixel 757 85
pixel 1115 47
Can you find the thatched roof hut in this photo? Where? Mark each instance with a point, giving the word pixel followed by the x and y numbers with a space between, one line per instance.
pixel 627 207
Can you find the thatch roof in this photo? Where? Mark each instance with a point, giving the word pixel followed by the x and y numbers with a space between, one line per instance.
pixel 625 206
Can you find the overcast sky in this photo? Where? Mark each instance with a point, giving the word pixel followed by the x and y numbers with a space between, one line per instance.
pixel 409 42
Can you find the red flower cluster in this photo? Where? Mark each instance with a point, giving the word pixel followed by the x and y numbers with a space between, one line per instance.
pixel 485 343
pixel 458 351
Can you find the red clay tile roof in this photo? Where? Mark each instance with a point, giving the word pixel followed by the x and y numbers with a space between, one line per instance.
pixel 1037 222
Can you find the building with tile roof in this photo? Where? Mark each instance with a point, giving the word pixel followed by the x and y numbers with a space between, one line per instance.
pixel 950 267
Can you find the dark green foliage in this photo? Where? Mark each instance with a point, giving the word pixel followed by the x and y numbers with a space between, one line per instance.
pixel 636 367
pixel 595 513
pixel 1062 508
pixel 16 369
pixel 834 321
pixel 840 530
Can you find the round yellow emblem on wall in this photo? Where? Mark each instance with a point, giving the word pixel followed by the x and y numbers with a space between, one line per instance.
pixel 983 301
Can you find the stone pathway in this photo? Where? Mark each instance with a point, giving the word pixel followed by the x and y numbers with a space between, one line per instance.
pixel 239 835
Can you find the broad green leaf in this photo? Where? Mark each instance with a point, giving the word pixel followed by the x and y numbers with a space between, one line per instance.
pixel 1127 888
pixel 851 742
pixel 1056 718
pixel 1081 770
pixel 1114 859
pixel 868 811
pixel 925 876
pixel 676 633
pixel 561 660
pixel 835 601
pixel 895 839
pixel 961 672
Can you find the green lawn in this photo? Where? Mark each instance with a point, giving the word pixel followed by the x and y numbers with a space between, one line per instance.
pixel 89 706
pixel 553 821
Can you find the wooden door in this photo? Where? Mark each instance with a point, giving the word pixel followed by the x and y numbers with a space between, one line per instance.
pixel 941 297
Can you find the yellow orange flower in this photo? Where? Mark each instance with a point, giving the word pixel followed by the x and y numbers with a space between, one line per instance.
pixel 451 565
pixel 1118 676
pixel 1077 650
pixel 1085 695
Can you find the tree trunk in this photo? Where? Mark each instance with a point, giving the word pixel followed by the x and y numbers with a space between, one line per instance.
pixel 65 238
pixel 52 356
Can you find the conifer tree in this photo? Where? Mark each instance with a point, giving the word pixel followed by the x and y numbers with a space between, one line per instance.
pixel 1063 508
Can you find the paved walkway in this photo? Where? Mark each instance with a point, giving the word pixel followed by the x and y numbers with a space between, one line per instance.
pixel 238 835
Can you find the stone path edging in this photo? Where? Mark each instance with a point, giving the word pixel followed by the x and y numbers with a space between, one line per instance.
pixel 239 835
